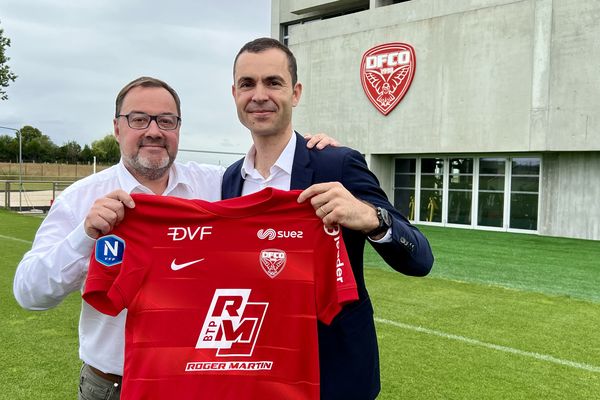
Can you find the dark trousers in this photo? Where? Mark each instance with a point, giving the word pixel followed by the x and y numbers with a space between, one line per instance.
pixel 94 387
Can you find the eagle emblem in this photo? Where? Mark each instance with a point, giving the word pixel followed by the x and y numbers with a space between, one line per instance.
pixel 386 72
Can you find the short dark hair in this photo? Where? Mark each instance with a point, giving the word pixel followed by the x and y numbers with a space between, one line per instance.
pixel 146 81
pixel 261 44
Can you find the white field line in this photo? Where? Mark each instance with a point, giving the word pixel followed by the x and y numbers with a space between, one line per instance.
pixel 537 356
pixel 15 239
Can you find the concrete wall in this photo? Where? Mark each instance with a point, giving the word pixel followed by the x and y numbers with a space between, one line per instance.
pixel 383 167
pixel 574 121
pixel 491 76
pixel 570 191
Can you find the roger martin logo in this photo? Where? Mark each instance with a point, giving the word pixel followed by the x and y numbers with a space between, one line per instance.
pixel 386 72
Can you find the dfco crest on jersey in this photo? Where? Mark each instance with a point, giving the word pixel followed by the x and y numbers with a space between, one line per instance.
pixel 272 261
pixel 386 72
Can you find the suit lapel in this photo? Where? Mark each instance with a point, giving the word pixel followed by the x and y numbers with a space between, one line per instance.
pixel 237 184
pixel 233 182
pixel 302 174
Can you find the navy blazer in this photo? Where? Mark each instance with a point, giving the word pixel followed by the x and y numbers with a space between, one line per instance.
pixel 348 353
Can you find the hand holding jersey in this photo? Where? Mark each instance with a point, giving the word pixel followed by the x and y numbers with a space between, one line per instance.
pixel 222 298
pixel 334 204
pixel 107 212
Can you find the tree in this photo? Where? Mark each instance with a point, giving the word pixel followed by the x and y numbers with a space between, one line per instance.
pixel 86 154
pixel 6 75
pixel 106 150
pixel 69 152
pixel 40 149
pixel 29 133
pixel 9 149
pixel 37 146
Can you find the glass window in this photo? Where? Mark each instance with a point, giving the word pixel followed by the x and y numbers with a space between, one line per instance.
pixel 525 184
pixel 404 201
pixel 494 183
pixel 404 180
pixel 432 186
pixel 432 166
pixel 431 205
pixel 464 182
pixel 461 165
pixel 491 166
pixel 405 172
pixel 526 166
pixel 459 207
pixel 490 208
pixel 524 192
pixel 406 165
pixel 463 206
pixel 431 181
pixel 523 211
pixel 460 191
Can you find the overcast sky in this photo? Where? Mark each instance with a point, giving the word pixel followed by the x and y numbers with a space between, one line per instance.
pixel 73 56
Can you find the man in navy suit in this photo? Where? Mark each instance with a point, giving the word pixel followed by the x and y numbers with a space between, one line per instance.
pixel 342 190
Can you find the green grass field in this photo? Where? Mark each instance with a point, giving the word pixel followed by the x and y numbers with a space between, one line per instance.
pixel 502 316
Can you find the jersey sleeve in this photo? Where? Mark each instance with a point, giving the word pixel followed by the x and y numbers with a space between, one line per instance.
pixel 113 280
pixel 335 283
pixel 105 265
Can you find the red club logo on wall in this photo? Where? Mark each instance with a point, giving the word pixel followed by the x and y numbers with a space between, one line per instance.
pixel 386 72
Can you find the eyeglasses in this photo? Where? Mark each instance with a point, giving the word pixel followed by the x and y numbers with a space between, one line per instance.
pixel 138 120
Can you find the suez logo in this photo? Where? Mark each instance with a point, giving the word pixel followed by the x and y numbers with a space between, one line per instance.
pixel 386 72
pixel 232 326
pixel 272 234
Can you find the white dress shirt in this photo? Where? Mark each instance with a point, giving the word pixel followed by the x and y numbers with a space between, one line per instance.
pixel 57 263
pixel 280 176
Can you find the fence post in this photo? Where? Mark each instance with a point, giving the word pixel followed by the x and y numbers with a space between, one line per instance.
pixel 7 195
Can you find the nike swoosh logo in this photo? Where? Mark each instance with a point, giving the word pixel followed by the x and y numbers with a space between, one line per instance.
pixel 177 267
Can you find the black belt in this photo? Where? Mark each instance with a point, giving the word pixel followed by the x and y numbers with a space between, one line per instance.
pixel 109 377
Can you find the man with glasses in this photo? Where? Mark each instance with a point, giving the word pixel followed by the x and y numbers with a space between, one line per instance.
pixel 146 125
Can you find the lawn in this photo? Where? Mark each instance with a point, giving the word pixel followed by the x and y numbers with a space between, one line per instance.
pixel 502 316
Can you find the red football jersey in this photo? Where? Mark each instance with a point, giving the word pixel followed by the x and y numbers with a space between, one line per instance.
pixel 222 298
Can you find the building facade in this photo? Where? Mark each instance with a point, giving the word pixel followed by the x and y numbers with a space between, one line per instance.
pixel 500 128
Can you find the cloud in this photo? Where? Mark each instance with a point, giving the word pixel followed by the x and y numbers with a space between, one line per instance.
pixel 72 59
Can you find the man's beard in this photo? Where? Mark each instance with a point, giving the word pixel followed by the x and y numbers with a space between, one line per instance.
pixel 149 169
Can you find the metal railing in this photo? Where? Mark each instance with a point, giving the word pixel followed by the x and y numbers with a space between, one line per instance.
pixel 30 194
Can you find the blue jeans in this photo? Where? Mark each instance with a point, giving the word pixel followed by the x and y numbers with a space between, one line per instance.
pixel 94 387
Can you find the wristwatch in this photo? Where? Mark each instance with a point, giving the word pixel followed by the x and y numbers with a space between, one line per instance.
pixel 385 222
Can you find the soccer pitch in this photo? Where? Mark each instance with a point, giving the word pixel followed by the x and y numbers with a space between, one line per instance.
pixel 501 316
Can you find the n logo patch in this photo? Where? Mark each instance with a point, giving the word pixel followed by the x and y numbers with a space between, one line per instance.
pixel 109 250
